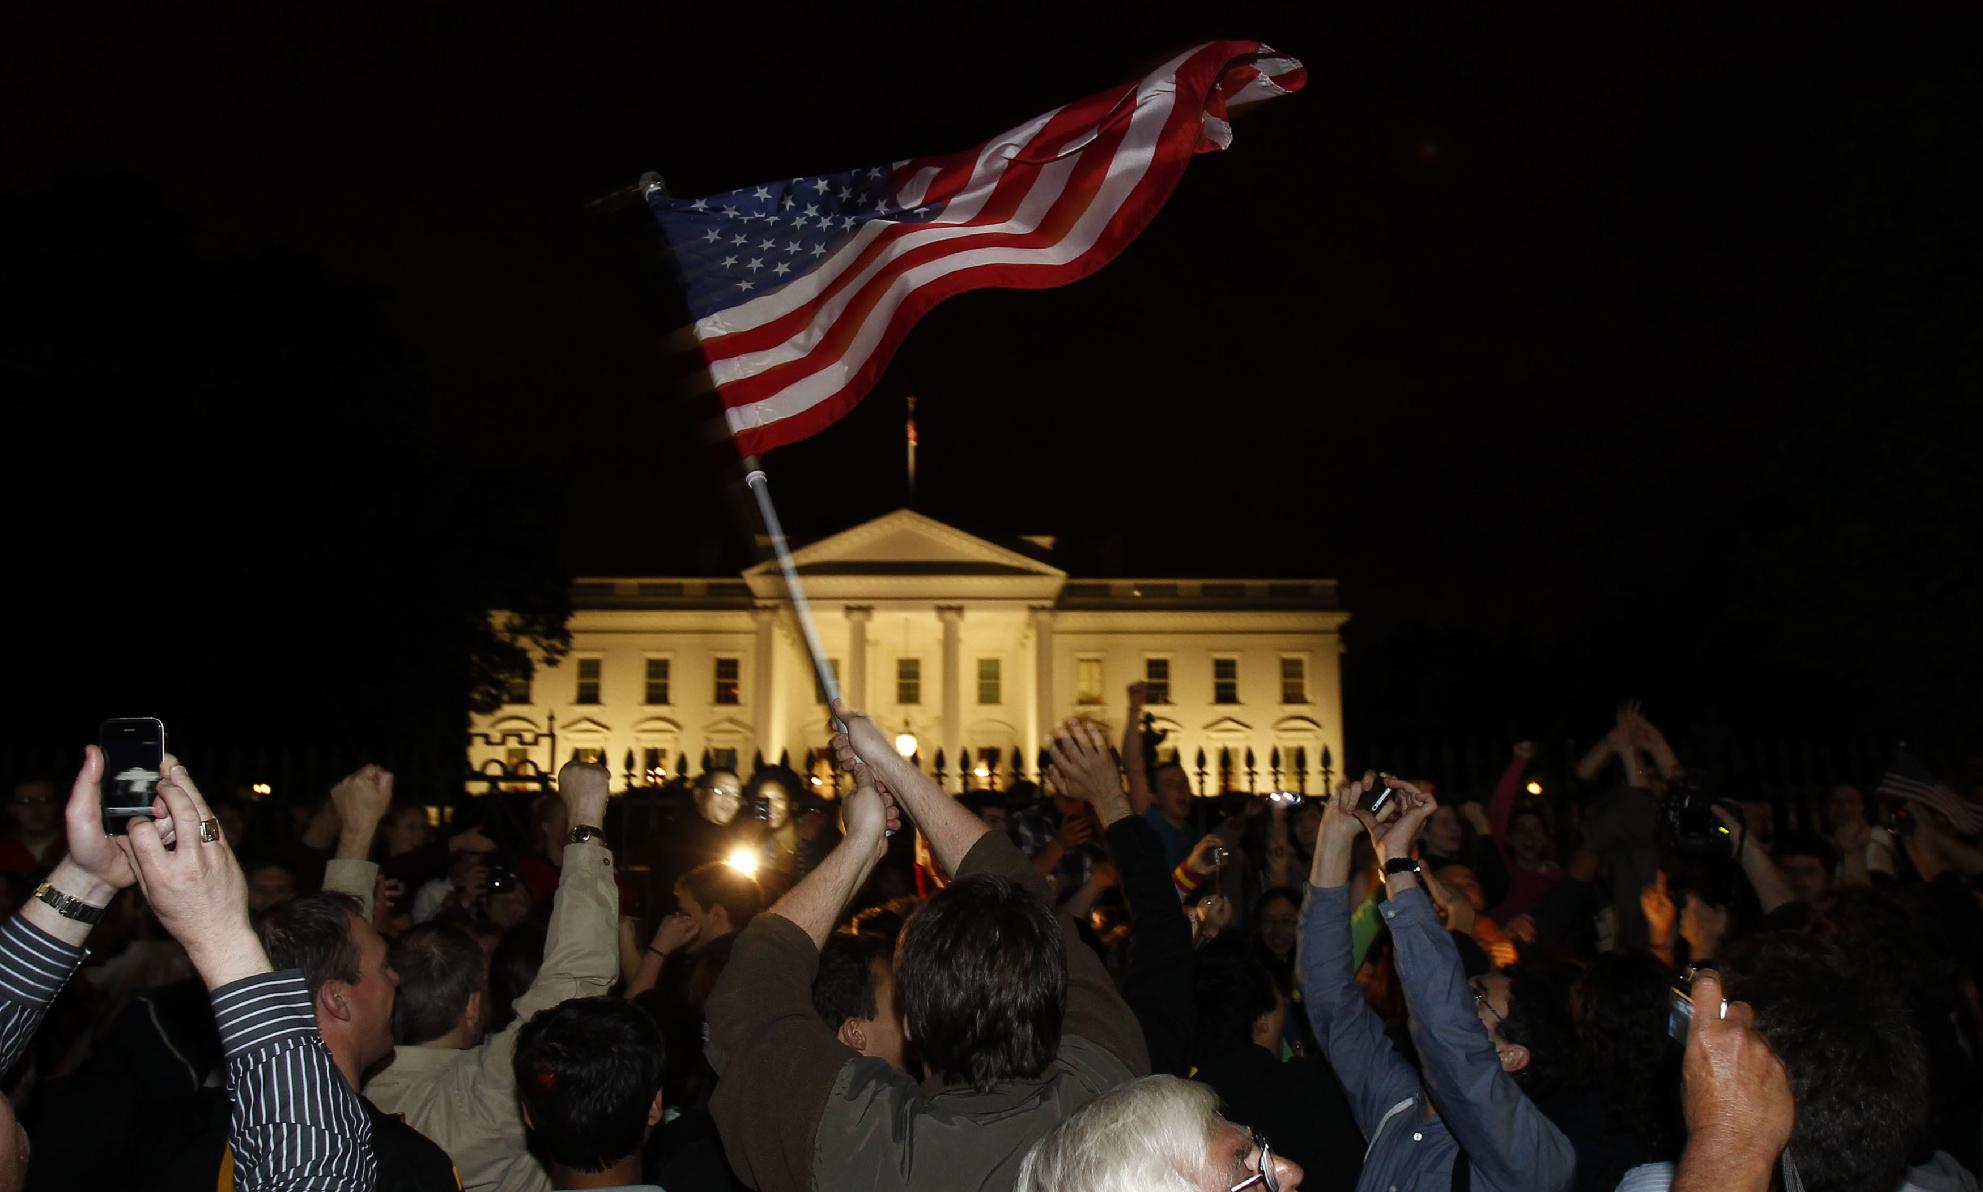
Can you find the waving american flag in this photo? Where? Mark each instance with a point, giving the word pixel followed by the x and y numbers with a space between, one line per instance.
pixel 801 290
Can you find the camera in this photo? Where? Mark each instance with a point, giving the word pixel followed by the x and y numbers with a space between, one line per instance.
pixel 1900 822
pixel 1680 1009
pixel 1283 797
pixel 1375 800
pixel 500 879
pixel 1690 816
pixel 1220 856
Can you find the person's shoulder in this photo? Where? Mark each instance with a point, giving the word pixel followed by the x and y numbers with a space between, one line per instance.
pixel 1087 1062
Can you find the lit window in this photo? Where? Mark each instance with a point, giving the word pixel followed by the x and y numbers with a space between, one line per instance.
pixel 1157 680
pixel 588 681
pixel 989 685
pixel 657 681
pixel 1087 680
pixel 908 680
pixel 729 688
pixel 1225 680
pixel 1294 680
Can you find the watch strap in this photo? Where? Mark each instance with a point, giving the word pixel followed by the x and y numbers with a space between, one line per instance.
pixel 581 833
pixel 66 906
pixel 1402 865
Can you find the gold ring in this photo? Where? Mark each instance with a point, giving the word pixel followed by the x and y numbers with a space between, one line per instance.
pixel 209 831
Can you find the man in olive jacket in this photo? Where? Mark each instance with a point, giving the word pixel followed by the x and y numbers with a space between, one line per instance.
pixel 1016 1019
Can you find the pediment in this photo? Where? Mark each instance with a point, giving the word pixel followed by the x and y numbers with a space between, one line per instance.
pixel 1297 724
pixel 907 543
pixel 1227 728
pixel 584 729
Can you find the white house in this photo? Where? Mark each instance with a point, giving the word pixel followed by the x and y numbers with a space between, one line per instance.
pixel 967 646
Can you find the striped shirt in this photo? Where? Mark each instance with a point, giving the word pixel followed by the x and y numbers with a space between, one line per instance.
pixel 295 1123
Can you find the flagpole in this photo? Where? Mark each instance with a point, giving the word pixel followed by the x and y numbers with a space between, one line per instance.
pixel 801 608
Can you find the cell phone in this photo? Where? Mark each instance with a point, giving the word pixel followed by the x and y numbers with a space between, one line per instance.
pixel 133 754
pixel 1375 801
pixel 1680 1010
pixel 1283 797
pixel 1901 823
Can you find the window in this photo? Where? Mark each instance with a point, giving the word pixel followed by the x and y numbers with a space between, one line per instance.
pixel 818 688
pixel 589 757
pixel 1225 680
pixel 1157 680
pixel 653 761
pixel 657 681
pixel 588 681
pixel 1087 680
pixel 908 680
pixel 729 688
pixel 990 689
pixel 1294 680
pixel 516 688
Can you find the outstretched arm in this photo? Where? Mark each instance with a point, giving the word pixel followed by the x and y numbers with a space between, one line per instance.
pixel 814 905
pixel 949 826
pixel 1132 750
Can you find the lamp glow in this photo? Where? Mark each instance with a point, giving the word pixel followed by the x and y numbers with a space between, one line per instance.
pixel 743 860
pixel 905 744
pixel 1535 788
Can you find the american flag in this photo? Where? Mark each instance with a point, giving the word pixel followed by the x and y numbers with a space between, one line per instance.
pixel 1909 779
pixel 801 290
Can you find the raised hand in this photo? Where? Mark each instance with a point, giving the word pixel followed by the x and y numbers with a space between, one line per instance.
pixel 93 852
pixel 1660 912
pixel 1395 832
pixel 1204 855
pixel 585 788
pixel 1138 692
pixel 1737 1101
pixel 364 794
pixel 1075 831
pixel 196 888
pixel 869 817
pixel 864 739
pixel 1081 766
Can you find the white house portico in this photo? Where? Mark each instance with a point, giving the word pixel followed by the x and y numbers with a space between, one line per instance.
pixel 972 648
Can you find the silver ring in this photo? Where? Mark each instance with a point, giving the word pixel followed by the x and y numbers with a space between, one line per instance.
pixel 209 831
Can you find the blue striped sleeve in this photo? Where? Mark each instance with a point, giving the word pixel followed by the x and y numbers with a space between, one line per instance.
pixel 296 1124
pixel 34 966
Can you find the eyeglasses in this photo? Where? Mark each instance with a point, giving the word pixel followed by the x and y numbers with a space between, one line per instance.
pixel 1264 1177
pixel 1480 999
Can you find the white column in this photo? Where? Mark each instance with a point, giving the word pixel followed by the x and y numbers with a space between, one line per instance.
pixel 1039 728
pixel 855 679
pixel 953 703
pixel 762 704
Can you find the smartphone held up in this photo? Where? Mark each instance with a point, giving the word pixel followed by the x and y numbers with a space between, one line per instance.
pixel 133 755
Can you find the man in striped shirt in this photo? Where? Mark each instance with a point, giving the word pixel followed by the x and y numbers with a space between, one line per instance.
pixel 295 1125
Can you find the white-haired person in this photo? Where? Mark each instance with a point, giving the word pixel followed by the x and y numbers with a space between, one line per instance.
pixel 1156 1134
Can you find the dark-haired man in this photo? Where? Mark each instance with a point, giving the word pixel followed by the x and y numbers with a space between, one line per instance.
pixel 1016 1019
pixel 854 993
pixel 351 986
pixel 589 1075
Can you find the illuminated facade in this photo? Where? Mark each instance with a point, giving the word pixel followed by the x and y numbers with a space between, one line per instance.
pixel 975 650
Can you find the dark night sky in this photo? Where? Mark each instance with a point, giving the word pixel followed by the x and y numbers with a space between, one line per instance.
pixel 1598 351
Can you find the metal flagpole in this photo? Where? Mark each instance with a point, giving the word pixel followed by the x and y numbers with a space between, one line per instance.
pixel 801 608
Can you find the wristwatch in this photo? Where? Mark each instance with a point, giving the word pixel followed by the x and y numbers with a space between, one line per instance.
pixel 67 907
pixel 581 833
pixel 1402 865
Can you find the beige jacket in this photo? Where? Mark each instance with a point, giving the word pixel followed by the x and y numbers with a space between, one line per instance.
pixel 465 1100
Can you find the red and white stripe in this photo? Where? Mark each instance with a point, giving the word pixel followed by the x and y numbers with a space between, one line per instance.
pixel 1043 205
pixel 1963 815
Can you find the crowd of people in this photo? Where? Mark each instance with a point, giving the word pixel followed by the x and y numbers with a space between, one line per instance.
pixel 1102 983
